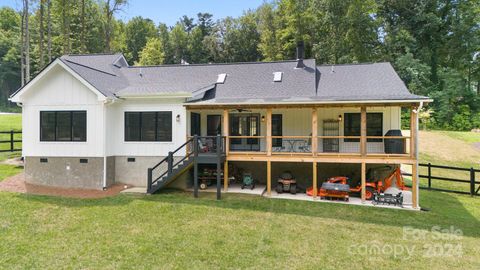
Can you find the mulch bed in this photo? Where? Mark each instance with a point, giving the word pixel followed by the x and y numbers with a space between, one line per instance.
pixel 17 184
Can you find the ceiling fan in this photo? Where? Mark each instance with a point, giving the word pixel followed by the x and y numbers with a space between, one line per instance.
pixel 241 110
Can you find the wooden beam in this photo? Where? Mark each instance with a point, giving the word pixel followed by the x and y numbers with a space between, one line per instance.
pixel 269 178
pixel 363 131
pixel 314 180
pixel 413 131
pixel 225 175
pixel 414 186
pixel 314 131
pixel 321 159
pixel 364 181
pixel 226 131
pixel 269 132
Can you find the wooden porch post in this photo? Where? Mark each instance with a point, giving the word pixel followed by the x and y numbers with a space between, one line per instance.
pixel 314 132
pixel 226 130
pixel 363 131
pixel 364 180
pixel 315 191
pixel 227 148
pixel 413 131
pixel 269 132
pixel 269 178
pixel 225 175
pixel 414 185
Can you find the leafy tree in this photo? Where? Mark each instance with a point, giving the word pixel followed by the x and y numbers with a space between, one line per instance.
pixel 137 31
pixel 179 43
pixel 152 53
pixel 269 45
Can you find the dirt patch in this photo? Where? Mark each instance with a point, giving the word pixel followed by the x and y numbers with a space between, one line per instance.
pixel 17 183
pixel 13 161
pixel 477 145
pixel 444 147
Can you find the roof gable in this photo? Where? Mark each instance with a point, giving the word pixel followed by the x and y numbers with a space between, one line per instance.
pixel 17 96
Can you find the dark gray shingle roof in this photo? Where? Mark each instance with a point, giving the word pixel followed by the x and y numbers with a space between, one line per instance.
pixel 245 82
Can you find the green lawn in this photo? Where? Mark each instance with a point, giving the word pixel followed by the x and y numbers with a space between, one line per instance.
pixel 8 170
pixel 10 121
pixel 174 230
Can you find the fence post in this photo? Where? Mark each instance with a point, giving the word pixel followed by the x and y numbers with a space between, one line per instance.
pixel 11 141
pixel 429 175
pixel 149 183
pixel 472 181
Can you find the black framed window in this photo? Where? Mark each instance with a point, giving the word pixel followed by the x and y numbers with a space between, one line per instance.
pixel 214 125
pixel 352 126
pixel 148 126
pixel 277 130
pixel 63 126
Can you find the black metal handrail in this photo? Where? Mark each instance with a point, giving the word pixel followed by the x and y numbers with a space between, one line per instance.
pixel 169 161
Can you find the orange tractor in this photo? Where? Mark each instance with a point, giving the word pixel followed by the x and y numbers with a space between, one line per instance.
pixel 374 185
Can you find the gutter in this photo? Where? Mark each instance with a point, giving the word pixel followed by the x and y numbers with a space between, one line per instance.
pixel 312 102
pixel 416 151
pixel 106 102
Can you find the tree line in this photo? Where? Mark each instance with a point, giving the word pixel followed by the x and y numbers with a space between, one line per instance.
pixel 433 44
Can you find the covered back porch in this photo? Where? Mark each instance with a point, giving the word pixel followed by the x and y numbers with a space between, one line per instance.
pixel 334 134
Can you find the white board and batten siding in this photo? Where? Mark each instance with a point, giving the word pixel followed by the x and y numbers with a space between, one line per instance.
pixel 116 144
pixel 58 90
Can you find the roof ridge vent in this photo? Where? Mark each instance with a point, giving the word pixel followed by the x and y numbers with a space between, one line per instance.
pixel 277 76
pixel 221 78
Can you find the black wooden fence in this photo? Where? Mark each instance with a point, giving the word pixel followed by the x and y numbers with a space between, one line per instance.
pixel 431 177
pixel 10 144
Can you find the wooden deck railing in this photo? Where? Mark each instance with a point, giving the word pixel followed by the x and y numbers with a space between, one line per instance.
pixel 397 146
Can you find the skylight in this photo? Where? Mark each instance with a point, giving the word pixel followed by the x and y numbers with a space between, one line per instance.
pixel 277 76
pixel 221 77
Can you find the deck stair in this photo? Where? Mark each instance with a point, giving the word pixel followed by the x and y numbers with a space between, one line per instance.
pixel 191 153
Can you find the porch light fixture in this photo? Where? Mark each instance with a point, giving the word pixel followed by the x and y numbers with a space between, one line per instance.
pixel 339 118
pixel 178 118
pixel 263 118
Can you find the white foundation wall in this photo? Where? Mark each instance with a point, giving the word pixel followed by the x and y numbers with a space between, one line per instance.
pixel 115 138
pixel 58 90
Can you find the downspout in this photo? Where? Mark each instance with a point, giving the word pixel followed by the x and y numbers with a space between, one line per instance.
pixel 417 111
pixel 416 151
pixel 105 103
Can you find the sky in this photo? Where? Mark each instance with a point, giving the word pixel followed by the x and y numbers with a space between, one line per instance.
pixel 168 11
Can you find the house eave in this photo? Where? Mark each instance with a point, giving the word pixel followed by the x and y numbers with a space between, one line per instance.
pixel 313 103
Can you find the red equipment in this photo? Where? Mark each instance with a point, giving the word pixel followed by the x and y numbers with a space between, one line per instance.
pixel 370 187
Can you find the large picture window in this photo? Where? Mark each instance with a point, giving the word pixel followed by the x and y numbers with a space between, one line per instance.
pixel 63 126
pixel 352 126
pixel 148 126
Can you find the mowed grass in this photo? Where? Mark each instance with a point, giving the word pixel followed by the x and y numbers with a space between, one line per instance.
pixel 9 170
pixel 10 122
pixel 174 230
